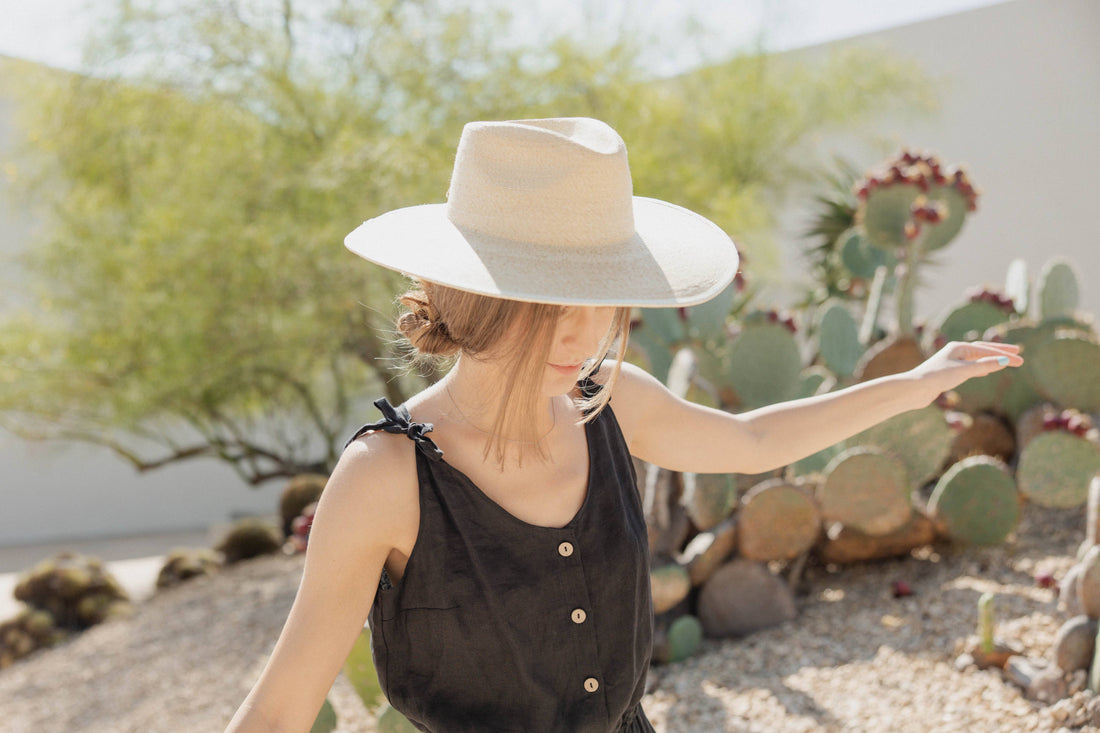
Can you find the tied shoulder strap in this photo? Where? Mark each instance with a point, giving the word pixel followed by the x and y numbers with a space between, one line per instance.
pixel 398 420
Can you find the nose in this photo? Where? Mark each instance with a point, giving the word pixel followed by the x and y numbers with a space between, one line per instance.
pixel 582 328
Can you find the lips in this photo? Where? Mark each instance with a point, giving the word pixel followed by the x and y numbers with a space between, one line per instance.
pixel 567 369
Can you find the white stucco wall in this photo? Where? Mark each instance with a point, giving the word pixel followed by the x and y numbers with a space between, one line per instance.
pixel 1021 108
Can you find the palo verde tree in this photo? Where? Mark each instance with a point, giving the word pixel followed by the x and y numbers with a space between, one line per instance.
pixel 189 295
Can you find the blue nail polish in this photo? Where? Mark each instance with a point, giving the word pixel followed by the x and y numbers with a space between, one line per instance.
pixel 1002 360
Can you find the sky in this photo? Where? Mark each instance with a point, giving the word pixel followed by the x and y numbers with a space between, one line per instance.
pixel 52 31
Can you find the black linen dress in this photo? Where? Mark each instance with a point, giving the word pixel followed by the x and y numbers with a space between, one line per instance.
pixel 502 625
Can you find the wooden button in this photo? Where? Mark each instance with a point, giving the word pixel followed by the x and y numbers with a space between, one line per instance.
pixel 565 549
pixel 579 615
pixel 591 684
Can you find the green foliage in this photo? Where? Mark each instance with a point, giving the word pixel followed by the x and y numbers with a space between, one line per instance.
pixel 190 296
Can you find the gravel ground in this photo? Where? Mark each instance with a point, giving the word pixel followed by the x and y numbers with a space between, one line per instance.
pixel 855 659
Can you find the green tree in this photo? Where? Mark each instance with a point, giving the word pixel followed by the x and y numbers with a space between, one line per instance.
pixel 190 296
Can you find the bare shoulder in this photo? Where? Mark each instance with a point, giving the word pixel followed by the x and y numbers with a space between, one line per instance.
pixel 375 482
pixel 636 394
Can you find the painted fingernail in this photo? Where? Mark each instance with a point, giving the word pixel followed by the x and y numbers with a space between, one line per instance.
pixel 1002 360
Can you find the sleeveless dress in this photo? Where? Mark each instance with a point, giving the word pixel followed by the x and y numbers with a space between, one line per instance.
pixel 502 625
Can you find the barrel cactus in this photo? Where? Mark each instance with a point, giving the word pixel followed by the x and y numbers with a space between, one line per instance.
pixel 301 491
pixel 250 537
pixel 30 629
pixel 184 563
pixel 75 589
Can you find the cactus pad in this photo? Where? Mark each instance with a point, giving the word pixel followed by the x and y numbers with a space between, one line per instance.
pixel 777 521
pixel 1066 369
pixel 976 501
pixel 708 498
pixel 707 321
pixel 1055 468
pixel 765 365
pixel 886 211
pixel 970 320
pixel 685 636
pixel 816 462
pixel 866 489
pixel 1059 293
pixel 1018 285
pixel 861 257
pixel 838 336
pixel 921 439
pixel 815 380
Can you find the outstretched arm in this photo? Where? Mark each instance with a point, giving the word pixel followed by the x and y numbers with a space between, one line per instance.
pixel 670 432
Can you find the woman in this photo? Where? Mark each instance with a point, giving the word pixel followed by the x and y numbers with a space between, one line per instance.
pixel 491 527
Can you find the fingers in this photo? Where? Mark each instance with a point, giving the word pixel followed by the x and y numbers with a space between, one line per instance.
pixel 975 351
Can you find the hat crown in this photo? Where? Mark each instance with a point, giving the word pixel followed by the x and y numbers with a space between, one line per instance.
pixel 559 182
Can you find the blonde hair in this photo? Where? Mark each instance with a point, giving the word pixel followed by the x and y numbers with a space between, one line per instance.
pixel 442 322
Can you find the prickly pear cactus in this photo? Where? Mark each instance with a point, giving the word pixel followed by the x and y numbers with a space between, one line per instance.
pixel 867 490
pixel 1018 286
pixel 683 638
pixel 838 338
pixel 976 501
pixel 892 200
pixel 815 380
pixel 708 498
pixel 1059 293
pixel 921 439
pixel 777 521
pixel 1066 370
pixel 970 320
pixel 1055 468
pixel 765 364
pixel 863 258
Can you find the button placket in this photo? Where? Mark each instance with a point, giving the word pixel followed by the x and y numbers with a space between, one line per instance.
pixel 578 616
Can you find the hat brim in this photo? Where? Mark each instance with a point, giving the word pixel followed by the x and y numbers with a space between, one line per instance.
pixel 675 258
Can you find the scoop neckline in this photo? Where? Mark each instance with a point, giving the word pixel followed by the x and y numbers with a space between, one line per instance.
pixel 571 524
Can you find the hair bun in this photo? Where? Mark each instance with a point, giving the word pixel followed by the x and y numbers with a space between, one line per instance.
pixel 423 327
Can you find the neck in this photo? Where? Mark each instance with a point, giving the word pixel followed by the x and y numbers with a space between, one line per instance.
pixel 475 389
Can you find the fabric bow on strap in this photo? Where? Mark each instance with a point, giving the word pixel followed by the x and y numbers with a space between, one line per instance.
pixel 398 420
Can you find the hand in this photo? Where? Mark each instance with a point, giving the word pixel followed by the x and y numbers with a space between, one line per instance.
pixel 959 361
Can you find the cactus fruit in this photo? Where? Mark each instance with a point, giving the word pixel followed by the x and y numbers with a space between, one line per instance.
pixel 777 521
pixel 915 195
pixel 1059 294
pixel 920 438
pixel 680 640
pixel 708 498
pixel 976 501
pixel 866 489
pixel 838 338
pixel 301 491
pixel 325 722
pixel 184 563
pixel 75 590
pixel 669 584
pixel 765 364
pixel 1055 468
pixel 1075 644
pixel 299 538
pixel 1066 370
pixel 248 538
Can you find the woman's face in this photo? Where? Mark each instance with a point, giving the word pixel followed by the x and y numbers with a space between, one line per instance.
pixel 577 337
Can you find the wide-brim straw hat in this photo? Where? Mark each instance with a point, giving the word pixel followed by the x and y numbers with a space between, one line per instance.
pixel 544 211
